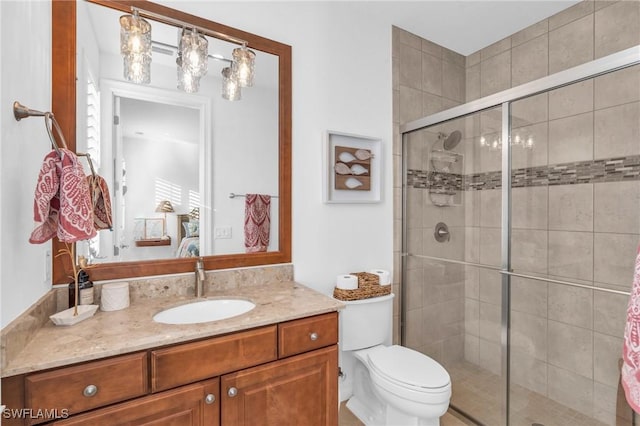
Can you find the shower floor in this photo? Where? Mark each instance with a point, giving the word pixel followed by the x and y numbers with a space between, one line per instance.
pixel 479 393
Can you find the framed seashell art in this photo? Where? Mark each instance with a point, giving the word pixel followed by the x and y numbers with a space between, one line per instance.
pixel 352 168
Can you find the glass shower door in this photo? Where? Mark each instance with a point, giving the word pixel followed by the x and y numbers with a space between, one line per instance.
pixel 452 294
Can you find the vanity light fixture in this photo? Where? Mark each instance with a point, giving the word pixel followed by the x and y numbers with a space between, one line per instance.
pixel 192 55
pixel 495 143
pixel 135 47
pixel 243 65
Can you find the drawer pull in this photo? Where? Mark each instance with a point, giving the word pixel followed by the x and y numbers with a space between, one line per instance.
pixel 313 336
pixel 210 399
pixel 90 390
pixel 232 392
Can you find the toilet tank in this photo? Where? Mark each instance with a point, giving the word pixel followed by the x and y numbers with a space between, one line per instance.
pixel 365 323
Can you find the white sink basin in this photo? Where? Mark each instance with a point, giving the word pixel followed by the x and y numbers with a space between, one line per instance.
pixel 204 311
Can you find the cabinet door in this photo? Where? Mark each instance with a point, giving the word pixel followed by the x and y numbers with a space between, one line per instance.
pixel 301 390
pixel 190 405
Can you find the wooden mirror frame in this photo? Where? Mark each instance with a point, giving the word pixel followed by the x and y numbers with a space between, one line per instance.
pixel 63 106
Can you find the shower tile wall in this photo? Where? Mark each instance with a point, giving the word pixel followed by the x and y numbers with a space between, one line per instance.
pixel 573 218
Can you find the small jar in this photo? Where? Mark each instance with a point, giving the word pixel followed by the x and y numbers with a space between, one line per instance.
pixel 85 290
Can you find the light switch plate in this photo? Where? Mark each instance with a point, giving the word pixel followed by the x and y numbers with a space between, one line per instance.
pixel 221 233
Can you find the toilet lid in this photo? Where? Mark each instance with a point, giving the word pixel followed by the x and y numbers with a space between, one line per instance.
pixel 406 366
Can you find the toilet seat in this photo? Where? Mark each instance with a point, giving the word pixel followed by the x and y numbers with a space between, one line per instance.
pixel 409 369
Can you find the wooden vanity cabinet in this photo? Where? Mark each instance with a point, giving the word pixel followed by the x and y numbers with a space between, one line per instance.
pixel 281 374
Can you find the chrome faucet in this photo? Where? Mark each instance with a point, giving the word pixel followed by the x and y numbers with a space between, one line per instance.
pixel 200 277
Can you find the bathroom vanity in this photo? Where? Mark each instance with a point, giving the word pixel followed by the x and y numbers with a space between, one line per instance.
pixel 279 366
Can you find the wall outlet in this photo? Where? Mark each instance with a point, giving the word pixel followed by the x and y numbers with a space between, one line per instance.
pixel 221 233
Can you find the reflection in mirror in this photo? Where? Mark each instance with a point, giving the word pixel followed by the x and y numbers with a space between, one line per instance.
pixel 240 147
pixel 156 144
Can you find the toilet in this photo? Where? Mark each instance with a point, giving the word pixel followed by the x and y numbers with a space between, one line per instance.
pixel 384 384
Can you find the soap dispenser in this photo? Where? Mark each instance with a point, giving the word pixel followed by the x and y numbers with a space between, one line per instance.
pixel 85 290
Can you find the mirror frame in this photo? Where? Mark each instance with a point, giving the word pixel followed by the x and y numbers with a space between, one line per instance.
pixel 63 19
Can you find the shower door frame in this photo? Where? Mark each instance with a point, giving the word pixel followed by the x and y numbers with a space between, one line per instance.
pixel 611 63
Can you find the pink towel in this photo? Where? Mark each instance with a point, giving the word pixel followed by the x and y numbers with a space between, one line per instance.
pixel 257 221
pixel 631 349
pixel 62 202
pixel 101 202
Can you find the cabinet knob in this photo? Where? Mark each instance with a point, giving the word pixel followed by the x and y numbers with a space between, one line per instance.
pixel 232 392
pixel 210 399
pixel 90 390
pixel 313 336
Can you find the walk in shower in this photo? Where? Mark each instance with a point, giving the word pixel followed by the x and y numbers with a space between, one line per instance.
pixel 520 225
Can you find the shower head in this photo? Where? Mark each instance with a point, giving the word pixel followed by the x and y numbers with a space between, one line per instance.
pixel 452 140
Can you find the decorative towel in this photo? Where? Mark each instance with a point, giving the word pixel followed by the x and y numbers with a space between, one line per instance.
pixel 257 221
pixel 62 202
pixel 630 373
pixel 101 202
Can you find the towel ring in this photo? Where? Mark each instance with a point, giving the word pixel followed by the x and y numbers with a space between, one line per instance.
pixel 20 111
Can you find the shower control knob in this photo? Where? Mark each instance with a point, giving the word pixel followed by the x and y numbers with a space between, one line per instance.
pixel 90 390
pixel 232 392
pixel 210 399
pixel 313 336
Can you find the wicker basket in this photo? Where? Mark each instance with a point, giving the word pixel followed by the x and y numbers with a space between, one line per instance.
pixel 368 286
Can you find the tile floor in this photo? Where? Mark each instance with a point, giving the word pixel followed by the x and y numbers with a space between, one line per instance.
pixel 479 393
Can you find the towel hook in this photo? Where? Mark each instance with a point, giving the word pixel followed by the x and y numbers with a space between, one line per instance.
pixel 20 111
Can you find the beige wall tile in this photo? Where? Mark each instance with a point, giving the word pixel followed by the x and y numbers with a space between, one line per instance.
pixel 490 246
pixel 495 48
pixel 571 207
pixel 616 28
pixel 490 356
pixel 529 372
pixel 415 203
pixel 617 131
pixel 570 348
pixel 431 74
pixel 574 99
pixel 609 313
pixel 432 48
pixel 451 249
pixel 535 156
pixel 413 332
pixel 490 208
pixel 571 14
pixel 490 322
pixel 570 389
pixel 495 73
pixel 571 254
pixel 453 349
pixel 490 287
pixel 414 283
pixel 614 258
pixel 414 246
pixel 472 83
pixel 534 109
pixel 472 244
pixel 472 349
pixel 412 40
pixel 571 139
pixel 529 207
pixel 529 296
pixel 410 104
pixel 431 103
pixel 607 350
pixel 530 60
pixel 453 57
pixel 529 250
pixel 473 59
pixel 529 335
pixel 472 208
pixel 571 44
pixel 617 88
pixel 453 81
pixel 490 159
pixel 571 305
pixel 529 33
pixel 609 404
pixel 617 207
pixel 410 60
pixel 472 317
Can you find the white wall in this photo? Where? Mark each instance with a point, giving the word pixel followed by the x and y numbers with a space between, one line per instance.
pixel 341 82
pixel 25 43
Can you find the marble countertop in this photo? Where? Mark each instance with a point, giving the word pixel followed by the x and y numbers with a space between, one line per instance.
pixel 133 329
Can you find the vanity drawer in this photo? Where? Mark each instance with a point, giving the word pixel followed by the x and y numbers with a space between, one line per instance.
pixel 191 362
pixel 307 334
pixel 83 387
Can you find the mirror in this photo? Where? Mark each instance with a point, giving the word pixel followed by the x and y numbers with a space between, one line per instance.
pixel 192 150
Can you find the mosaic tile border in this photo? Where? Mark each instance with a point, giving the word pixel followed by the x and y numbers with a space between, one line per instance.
pixel 605 170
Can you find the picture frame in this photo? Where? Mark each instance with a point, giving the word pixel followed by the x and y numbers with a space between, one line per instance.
pixel 148 228
pixel 352 168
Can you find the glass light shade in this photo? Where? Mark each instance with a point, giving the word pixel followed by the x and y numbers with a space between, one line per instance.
pixel 135 35
pixel 137 68
pixel 243 66
pixel 231 90
pixel 194 50
pixel 187 82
